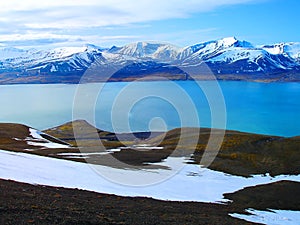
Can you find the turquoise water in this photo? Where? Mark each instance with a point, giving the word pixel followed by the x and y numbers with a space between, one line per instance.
pixel 267 108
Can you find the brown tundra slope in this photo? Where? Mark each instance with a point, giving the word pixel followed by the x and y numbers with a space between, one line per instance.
pixel 240 153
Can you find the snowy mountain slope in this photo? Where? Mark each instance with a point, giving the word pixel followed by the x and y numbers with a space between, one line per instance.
pixel 149 50
pixel 290 49
pixel 10 53
pixel 227 56
pixel 210 49
pixel 231 50
pixel 67 62
pixel 252 60
pixel 53 59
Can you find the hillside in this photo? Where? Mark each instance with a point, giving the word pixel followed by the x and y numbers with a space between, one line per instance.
pixel 55 157
pixel 241 153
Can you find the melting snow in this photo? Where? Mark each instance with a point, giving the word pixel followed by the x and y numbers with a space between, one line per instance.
pixel 42 141
pixel 143 146
pixel 274 217
pixel 85 155
pixel 180 182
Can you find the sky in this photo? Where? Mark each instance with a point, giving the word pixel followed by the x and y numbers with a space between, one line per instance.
pixel 55 23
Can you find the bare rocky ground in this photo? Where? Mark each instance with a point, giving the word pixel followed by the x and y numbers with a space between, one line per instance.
pixel 31 204
pixel 28 204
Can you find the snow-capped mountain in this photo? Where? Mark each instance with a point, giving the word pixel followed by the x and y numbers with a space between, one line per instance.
pixel 227 57
pixel 151 50
pixel 210 49
pixel 59 65
pixel 10 52
pixel 290 49
pixel 230 56
pixel 26 60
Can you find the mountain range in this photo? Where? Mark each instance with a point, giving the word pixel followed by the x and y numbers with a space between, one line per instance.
pixel 225 59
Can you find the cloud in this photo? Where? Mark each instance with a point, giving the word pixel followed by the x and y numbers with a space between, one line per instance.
pixel 71 14
pixel 65 21
pixel 48 39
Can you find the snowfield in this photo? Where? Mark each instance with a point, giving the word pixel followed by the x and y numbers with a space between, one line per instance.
pixel 190 183
pixel 274 217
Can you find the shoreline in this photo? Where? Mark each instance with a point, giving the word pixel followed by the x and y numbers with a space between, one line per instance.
pixel 266 81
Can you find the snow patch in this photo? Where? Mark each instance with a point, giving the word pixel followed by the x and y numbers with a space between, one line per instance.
pixel 204 186
pixel 274 217
pixel 143 146
pixel 87 155
pixel 38 140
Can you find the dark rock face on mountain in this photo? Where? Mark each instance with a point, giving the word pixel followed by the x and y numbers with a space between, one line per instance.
pixel 227 59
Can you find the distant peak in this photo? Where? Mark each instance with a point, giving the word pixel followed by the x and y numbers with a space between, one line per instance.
pixel 92 46
pixel 228 41
pixel 149 43
pixel 233 41
pixel 224 42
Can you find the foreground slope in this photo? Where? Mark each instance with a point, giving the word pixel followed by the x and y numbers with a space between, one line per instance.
pixel 241 153
pixel 27 204
pixel 23 203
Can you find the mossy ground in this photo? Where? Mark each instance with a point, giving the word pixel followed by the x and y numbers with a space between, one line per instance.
pixel 240 153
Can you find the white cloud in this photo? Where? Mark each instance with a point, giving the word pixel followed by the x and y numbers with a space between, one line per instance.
pixel 32 39
pixel 77 13
pixel 103 22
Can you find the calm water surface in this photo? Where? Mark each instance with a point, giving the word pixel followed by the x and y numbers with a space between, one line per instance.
pixel 267 108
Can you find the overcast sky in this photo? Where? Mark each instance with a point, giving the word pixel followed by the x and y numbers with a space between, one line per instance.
pixel 49 23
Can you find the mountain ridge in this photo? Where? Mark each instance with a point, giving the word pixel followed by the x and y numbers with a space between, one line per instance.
pixel 227 59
